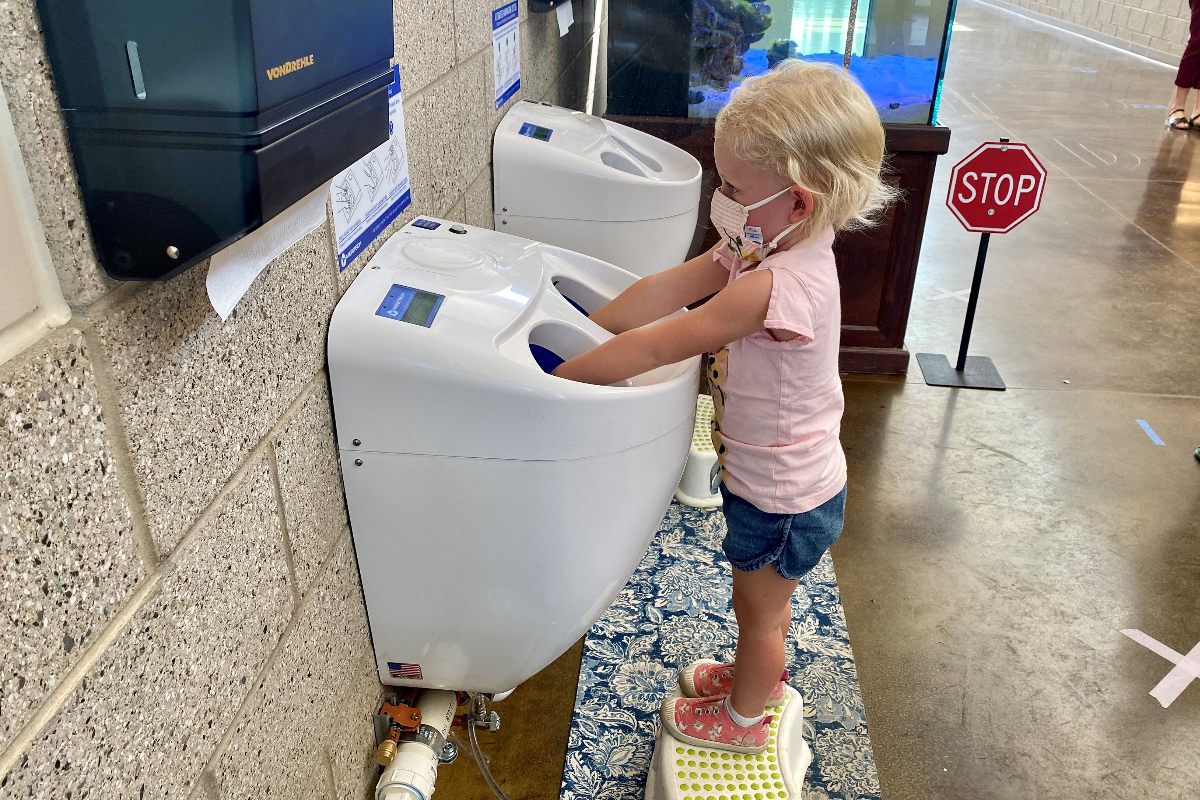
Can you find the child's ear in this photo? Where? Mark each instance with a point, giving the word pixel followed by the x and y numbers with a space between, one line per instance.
pixel 802 203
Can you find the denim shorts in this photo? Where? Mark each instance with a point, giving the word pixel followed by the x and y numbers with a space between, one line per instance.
pixel 795 542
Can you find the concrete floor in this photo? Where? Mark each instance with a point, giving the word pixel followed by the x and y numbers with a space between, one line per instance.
pixel 997 543
pixel 526 756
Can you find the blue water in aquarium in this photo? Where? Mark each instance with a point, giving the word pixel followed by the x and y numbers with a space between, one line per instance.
pixel 891 81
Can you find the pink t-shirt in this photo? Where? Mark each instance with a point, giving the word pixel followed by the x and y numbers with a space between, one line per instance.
pixel 779 404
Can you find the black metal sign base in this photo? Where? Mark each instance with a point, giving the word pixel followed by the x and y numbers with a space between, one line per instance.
pixel 978 373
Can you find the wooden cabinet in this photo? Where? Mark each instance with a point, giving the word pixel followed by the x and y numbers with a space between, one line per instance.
pixel 877 267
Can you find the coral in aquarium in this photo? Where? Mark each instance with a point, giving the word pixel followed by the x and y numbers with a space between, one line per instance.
pixel 722 32
pixel 780 50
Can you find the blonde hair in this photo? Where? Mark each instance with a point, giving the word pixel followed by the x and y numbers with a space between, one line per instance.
pixel 813 124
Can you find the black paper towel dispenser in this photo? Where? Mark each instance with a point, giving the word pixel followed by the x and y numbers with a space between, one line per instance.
pixel 193 122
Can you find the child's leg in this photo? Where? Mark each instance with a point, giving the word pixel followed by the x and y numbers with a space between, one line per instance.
pixel 759 601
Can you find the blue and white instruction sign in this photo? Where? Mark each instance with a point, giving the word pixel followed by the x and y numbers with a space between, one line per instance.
pixel 371 193
pixel 506 52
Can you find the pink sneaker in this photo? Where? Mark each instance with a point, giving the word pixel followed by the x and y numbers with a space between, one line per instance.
pixel 704 721
pixel 714 679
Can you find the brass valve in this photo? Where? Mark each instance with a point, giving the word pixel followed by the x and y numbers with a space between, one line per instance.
pixel 402 717
pixel 385 752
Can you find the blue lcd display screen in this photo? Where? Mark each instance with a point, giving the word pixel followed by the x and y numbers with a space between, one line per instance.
pixel 427 224
pixel 407 304
pixel 535 132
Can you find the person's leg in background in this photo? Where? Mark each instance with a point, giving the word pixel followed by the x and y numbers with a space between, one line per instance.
pixel 1188 77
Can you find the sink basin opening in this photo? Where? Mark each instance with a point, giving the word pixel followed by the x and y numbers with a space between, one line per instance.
pixel 552 343
pixel 586 300
pixel 638 154
pixel 616 160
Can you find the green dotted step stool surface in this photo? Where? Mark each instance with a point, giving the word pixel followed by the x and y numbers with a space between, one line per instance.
pixel 702 436
pixel 703 774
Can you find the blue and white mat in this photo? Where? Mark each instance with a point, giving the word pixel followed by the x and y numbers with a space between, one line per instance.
pixel 675 609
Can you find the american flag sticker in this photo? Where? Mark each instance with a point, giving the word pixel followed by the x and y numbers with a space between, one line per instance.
pixel 407 672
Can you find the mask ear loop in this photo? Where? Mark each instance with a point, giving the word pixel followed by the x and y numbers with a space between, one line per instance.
pixel 780 193
pixel 771 245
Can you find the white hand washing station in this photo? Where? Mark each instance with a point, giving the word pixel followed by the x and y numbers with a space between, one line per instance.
pixel 594 186
pixel 496 510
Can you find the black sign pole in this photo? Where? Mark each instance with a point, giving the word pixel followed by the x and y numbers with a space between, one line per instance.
pixel 974 372
pixel 984 238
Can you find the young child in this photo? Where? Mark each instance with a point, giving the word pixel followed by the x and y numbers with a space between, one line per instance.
pixel 799 152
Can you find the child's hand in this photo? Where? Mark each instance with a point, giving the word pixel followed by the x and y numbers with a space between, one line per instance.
pixel 737 310
pixel 575 370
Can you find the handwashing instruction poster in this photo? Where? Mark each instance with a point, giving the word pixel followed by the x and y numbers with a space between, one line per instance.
pixel 506 52
pixel 373 191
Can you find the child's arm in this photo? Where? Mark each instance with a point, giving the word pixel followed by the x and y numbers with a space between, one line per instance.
pixel 663 293
pixel 736 311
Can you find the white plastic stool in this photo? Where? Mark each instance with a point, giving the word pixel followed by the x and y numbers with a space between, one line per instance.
pixel 695 485
pixel 682 771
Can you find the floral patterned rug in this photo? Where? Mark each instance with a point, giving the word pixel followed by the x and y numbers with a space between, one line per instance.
pixel 675 609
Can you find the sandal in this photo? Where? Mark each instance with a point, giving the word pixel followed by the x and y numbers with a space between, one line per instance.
pixel 1180 123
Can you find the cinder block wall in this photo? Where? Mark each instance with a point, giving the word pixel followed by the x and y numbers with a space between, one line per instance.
pixel 1155 28
pixel 182 615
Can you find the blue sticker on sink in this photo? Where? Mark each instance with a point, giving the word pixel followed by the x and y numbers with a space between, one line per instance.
pixel 535 132
pixel 407 304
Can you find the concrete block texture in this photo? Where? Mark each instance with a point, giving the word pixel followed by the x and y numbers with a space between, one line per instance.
pixel 570 88
pixel 68 559
pixel 473 26
pixel 320 786
pixel 541 61
pixel 424 34
pixel 480 211
pixel 295 704
pixel 1120 16
pixel 457 212
pixel 198 394
pixel 1175 8
pixel 1155 24
pixel 352 740
pixel 311 483
pixel 207 447
pixel 42 136
pixel 447 135
pixel 1137 20
pixel 153 708
pixel 1176 31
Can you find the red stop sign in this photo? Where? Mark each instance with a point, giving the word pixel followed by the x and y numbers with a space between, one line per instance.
pixel 996 188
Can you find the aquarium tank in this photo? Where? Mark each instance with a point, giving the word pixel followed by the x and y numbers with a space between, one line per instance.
pixel 895 54
pixel 896 51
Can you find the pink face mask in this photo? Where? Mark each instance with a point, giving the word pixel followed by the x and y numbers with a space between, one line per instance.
pixel 744 240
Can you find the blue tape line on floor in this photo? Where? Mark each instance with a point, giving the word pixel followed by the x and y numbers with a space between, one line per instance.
pixel 1150 432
